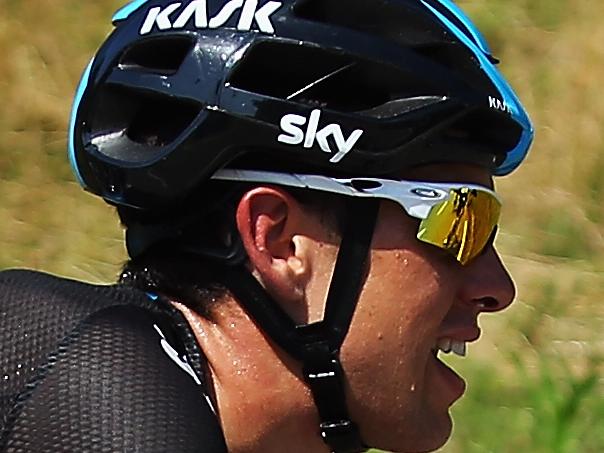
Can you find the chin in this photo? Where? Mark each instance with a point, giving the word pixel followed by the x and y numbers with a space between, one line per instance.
pixel 432 435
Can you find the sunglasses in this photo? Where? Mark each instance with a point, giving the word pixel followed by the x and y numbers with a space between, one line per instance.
pixel 458 218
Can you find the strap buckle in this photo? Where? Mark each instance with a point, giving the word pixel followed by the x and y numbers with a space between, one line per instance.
pixel 324 376
pixel 342 436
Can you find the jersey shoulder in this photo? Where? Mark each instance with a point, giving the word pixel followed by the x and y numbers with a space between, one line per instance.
pixel 78 358
pixel 117 369
pixel 37 311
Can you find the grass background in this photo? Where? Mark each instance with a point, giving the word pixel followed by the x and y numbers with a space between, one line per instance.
pixel 536 378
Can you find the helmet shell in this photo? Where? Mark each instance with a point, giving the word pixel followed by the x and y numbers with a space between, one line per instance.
pixel 181 89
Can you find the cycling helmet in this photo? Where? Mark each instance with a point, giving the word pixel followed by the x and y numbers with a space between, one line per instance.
pixel 182 89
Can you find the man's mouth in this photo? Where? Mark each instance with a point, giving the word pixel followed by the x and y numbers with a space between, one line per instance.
pixel 449 377
pixel 455 340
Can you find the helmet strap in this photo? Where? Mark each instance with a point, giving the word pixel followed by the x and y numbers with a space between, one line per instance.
pixel 318 345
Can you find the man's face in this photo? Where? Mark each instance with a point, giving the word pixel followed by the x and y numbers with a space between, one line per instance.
pixel 415 295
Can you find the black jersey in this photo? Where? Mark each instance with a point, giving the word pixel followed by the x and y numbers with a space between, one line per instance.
pixel 87 368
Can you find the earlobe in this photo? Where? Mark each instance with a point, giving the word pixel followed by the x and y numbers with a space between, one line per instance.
pixel 269 222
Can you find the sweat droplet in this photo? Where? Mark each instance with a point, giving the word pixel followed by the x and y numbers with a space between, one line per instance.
pixel 413 387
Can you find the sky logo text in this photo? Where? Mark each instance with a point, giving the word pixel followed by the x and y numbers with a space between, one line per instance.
pixel 293 134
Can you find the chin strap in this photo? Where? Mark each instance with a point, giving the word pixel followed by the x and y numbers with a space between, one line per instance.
pixel 318 345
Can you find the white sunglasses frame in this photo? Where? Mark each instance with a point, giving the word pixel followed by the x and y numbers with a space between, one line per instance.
pixel 417 198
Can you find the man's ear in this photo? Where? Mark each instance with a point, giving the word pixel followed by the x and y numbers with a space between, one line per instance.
pixel 270 222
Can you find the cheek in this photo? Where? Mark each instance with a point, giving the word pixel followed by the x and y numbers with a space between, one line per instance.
pixel 408 291
pixel 404 287
pixel 386 353
pixel 400 308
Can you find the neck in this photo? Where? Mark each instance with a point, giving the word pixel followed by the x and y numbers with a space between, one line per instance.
pixel 263 404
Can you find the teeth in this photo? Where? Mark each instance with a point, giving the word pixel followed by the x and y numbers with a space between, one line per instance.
pixel 459 348
pixel 448 345
pixel 444 344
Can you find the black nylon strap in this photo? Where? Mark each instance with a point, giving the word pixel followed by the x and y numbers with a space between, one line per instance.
pixel 351 267
pixel 266 312
pixel 325 378
pixel 317 345
pixel 323 371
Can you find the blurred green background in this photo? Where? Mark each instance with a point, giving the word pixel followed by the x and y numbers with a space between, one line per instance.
pixel 536 378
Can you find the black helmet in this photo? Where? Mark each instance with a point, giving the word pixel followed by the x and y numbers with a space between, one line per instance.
pixel 181 89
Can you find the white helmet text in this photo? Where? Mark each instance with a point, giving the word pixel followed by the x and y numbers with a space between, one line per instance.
pixel 498 104
pixel 167 18
pixel 295 135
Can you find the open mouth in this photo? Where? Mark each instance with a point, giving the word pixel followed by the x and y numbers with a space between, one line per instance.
pixel 449 377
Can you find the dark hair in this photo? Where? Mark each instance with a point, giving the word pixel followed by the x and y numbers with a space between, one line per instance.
pixel 184 277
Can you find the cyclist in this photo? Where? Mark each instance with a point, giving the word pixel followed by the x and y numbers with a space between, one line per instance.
pixel 306 188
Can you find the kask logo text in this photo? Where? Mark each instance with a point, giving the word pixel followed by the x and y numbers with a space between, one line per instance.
pixel 498 104
pixel 295 135
pixel 174 16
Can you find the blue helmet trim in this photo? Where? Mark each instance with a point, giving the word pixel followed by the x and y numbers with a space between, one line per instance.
pixel 517 155
pixel 476 34
pixel 72 124
pixel 124 12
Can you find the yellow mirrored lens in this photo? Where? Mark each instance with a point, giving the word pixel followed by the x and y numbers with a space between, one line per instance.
pixel 463 224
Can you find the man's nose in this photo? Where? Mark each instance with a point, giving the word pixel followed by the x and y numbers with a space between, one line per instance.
pixel 487 283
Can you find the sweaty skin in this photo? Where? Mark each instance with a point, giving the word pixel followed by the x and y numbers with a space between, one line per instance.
pixel 398 391
pixel 414 295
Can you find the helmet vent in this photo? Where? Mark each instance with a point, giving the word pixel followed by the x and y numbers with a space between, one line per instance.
pixel 133 126
pixel 458 60
pixel 491 130
pixel 334 80
pixel 159 55
pixel 159 121
pixel 403 23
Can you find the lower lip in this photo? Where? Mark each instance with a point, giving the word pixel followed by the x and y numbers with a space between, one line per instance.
pixel 452 380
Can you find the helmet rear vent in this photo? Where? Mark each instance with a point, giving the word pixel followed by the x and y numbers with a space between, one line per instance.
pixel 134 126
pixel 333 80
pixel 158 55
pixel 159 121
